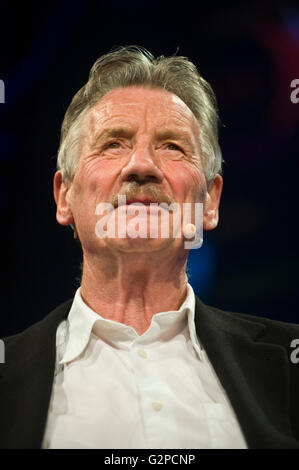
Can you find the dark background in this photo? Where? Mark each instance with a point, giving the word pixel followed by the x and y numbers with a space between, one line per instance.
pixel 249 54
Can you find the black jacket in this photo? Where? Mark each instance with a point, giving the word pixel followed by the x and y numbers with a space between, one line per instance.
pixel 251 356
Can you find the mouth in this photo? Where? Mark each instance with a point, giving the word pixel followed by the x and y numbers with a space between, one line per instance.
pixel 123 201
pixel 145 202
pixel 152 201
pixel 152 205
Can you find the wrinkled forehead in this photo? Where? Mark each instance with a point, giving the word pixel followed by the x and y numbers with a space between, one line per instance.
pixel 133 105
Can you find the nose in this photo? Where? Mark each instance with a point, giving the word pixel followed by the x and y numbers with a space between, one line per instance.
pixel 142 167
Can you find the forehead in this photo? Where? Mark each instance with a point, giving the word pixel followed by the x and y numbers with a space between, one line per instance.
pixel 154 107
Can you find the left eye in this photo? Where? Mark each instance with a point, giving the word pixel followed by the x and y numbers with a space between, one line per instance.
pixel 173 147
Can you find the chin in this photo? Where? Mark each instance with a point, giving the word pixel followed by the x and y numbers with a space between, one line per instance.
pixel 139 245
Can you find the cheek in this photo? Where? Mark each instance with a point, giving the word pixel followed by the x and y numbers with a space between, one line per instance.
pixel 187 182
pixel 93 182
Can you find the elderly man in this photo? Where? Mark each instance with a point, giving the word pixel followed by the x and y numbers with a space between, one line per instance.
pixel 136 360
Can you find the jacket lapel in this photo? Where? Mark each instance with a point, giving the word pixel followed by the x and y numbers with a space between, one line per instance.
pixel 26 381
pixel 253 372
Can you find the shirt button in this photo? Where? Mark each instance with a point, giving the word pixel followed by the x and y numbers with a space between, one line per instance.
pixel 156 406
pixel 142 353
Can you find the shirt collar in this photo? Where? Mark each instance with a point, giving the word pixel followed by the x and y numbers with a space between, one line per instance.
pixel 82 321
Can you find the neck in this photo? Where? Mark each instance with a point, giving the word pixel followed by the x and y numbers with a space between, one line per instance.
pixel 131 288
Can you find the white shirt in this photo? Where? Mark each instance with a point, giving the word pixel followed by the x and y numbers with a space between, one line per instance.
pixel 116 389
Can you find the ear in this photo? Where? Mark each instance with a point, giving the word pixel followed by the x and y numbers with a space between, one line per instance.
pixel 211 215
pixel 64 214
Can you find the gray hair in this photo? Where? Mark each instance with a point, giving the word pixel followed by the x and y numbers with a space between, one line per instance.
pixel 135 66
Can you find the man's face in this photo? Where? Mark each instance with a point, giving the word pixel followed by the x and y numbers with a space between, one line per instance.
pixel 142 143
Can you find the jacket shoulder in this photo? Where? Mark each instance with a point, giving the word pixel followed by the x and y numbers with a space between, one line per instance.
pixel 275 331
pixel 46 326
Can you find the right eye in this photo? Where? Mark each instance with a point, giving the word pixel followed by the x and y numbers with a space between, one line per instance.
pixel 113 145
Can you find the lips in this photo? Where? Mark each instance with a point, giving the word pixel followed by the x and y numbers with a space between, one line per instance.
pixel 123 201
pixel 145 202
pixel 145 199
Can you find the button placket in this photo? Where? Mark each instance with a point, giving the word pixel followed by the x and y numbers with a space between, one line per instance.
pixel 157 406
pixel 142 353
